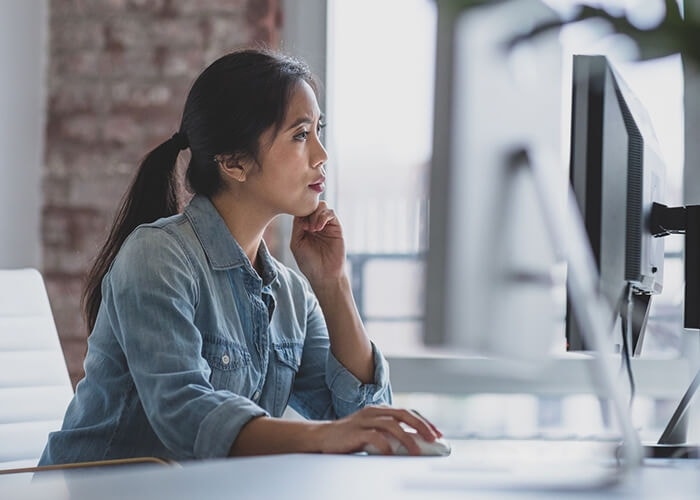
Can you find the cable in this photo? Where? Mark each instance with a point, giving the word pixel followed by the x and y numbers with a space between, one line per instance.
pixel 626 317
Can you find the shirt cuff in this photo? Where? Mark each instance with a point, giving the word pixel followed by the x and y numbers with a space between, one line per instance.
pixel 349 389
pixel 220 428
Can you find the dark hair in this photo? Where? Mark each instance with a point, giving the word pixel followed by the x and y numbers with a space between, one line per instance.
pixel 232 102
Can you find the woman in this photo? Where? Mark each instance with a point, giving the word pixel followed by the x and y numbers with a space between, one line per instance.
pixel 199 338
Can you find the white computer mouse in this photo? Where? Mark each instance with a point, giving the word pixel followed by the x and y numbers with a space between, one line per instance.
pixel 438 448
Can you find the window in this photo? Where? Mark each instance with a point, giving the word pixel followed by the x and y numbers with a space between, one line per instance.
pixel 380 102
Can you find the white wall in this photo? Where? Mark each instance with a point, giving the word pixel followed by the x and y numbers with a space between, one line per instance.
pixel 23 56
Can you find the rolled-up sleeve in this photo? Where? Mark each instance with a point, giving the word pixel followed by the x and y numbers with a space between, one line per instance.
pixel 349 393
pixel 219 428
pixel 324 388
pixel 151 308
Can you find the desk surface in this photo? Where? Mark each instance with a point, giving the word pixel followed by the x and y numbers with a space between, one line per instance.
pixel 567 373
pixel 311 477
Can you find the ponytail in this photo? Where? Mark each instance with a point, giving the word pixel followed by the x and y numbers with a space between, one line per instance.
pixel 152 195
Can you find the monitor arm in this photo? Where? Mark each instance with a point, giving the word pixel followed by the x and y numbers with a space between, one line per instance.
pixel 662 222
pixel 674 220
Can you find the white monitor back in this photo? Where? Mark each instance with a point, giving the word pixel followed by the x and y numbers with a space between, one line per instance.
pixel 490 270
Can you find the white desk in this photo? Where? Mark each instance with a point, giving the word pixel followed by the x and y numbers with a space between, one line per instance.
pixel 569 373
pixel 310 477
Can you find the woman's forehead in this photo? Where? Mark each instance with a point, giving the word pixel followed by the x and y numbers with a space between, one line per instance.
pixel 302 103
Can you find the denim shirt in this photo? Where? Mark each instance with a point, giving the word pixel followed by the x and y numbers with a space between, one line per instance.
pixel 190 343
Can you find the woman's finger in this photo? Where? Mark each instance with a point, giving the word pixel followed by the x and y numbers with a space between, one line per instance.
pixel 377 442
pixel 384 436
pixel 320 218
pixel 428 422
pixel 392 428
pixel 427 431
pixel 378 418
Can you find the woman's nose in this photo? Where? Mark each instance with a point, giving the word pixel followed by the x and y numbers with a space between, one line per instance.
pixel 321 156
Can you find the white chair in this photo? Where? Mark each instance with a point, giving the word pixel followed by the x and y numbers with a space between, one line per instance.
pixel 34 385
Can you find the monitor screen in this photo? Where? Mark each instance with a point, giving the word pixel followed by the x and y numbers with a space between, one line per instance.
pixel 617 174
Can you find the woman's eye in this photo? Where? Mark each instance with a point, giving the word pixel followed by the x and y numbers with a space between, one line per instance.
pixel 302 136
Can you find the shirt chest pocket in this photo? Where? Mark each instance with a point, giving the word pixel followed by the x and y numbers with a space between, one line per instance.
pixel 230 364
pixel 287 359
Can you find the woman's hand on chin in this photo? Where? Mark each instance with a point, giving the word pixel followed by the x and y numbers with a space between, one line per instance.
pixel 318 246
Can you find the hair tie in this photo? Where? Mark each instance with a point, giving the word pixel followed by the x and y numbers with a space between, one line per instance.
pixel 180 140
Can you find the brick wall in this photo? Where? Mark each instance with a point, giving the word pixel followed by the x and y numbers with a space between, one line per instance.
pixel 119 72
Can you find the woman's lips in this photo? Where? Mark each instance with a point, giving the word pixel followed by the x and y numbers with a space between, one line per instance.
pixel 319 187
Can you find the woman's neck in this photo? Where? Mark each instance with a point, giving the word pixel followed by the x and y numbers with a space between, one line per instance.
pixel 246 226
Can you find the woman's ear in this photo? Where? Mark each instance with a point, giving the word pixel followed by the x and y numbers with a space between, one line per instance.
pixel 232 166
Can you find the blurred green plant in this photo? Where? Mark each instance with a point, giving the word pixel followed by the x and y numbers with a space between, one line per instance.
pixel 672 35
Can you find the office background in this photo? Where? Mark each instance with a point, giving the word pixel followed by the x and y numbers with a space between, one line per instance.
pixel 90 86
pixel 93 86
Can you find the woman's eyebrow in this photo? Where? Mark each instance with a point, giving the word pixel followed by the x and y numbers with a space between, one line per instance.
pixel 302 120
pixel 305 120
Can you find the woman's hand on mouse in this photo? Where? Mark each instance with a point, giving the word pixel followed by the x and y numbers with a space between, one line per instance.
pixel 370 426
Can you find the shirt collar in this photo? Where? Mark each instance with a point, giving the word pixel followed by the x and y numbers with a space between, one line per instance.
pixel 221 248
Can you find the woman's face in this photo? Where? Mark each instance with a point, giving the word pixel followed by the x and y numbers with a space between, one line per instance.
pixel 291 173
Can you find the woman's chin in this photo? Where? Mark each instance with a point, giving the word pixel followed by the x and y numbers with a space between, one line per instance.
pixel 306 210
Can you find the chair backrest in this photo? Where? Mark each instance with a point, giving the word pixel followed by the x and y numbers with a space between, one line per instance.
pixel 34 385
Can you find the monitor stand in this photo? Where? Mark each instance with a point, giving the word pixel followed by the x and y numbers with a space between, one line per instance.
pixel 672 443
pixel 639 314
pixel 569 240
pixel 589 308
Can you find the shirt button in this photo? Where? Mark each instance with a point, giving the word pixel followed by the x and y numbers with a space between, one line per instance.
pixel 225 359
pixel 256 396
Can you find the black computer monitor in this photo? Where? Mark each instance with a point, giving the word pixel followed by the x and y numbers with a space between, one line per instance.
pixel 617 177
pixel 617 174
